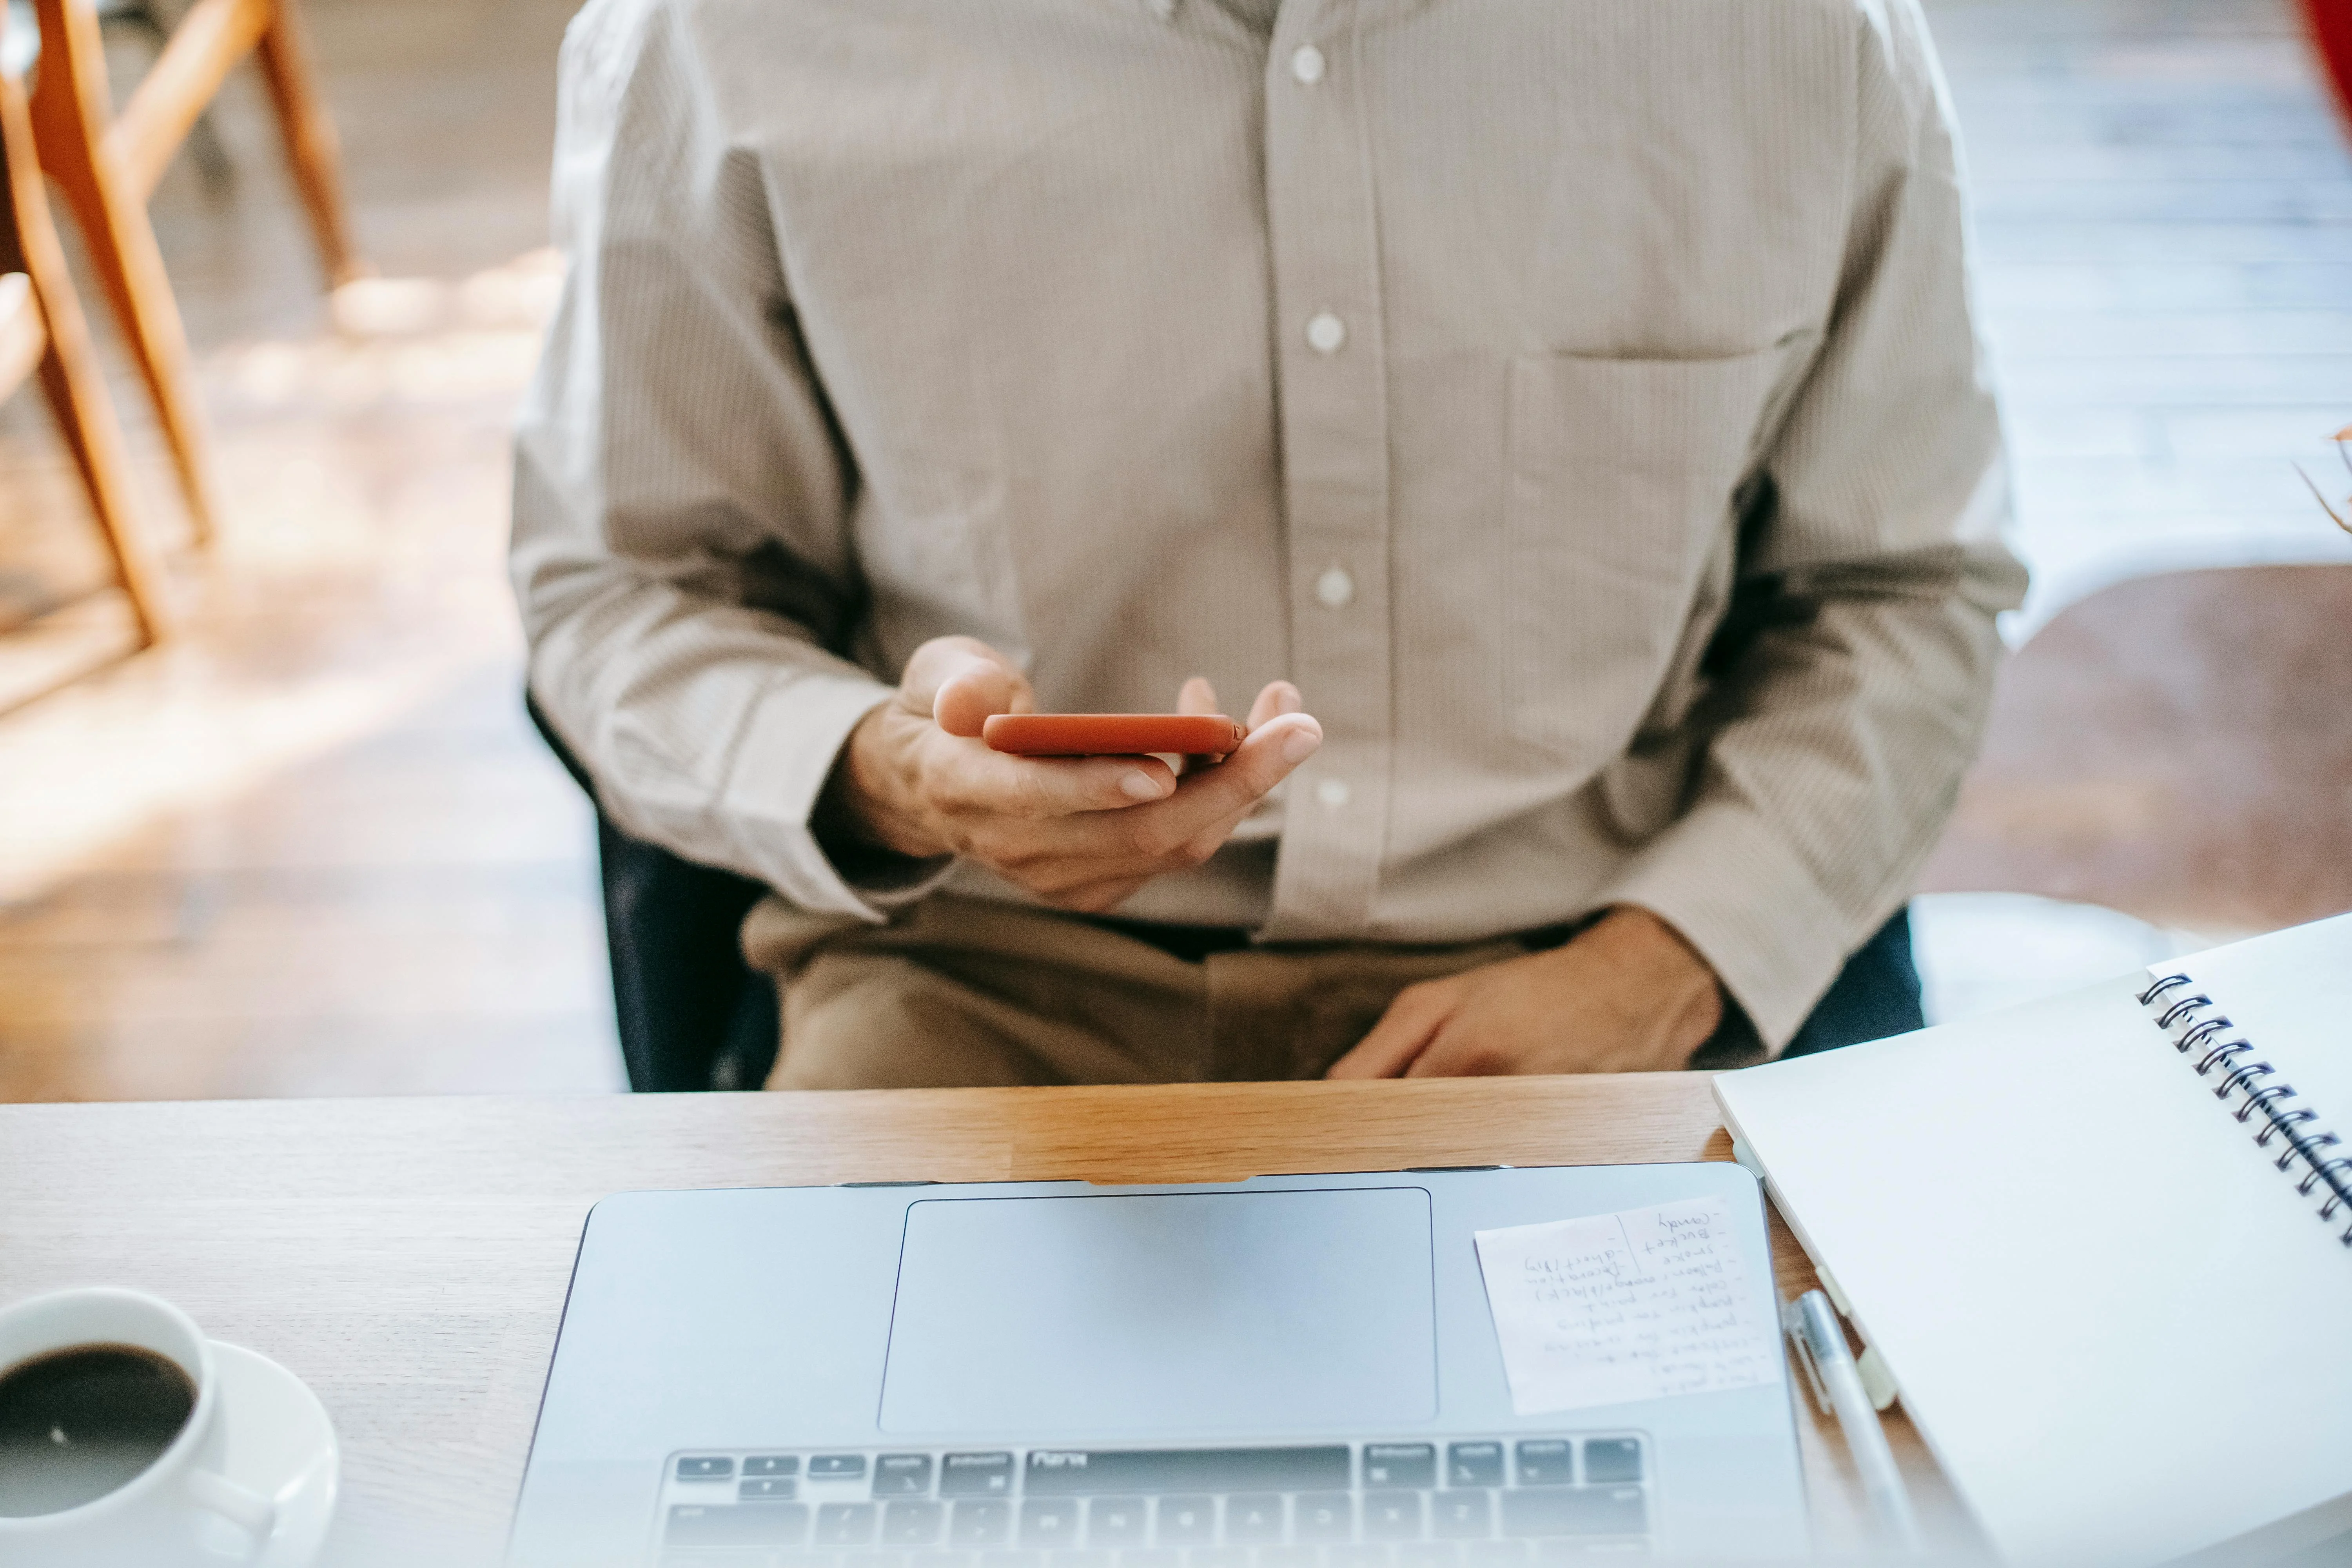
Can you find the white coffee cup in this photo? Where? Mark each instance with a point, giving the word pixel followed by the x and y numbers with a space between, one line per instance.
pixel 167 1516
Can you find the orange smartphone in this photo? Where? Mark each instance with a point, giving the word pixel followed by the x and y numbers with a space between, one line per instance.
pixel 1112 734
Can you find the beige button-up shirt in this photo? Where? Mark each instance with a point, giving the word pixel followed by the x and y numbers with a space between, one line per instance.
pixel 1578 399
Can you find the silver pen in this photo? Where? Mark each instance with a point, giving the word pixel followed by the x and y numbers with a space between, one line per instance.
pixel 1830 1366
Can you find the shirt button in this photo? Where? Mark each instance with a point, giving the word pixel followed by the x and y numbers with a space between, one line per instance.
pixel 1326 333
pixel 1307 65
pixel 1332 793
pixel 1334 589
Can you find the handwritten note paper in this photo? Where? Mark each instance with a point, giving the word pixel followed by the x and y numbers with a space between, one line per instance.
pixel 1626 1306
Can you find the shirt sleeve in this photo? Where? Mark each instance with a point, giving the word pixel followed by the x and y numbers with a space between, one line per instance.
pixel 1853 675
pixel 680 549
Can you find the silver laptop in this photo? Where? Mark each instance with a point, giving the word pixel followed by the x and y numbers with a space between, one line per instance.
pixel 1293 1371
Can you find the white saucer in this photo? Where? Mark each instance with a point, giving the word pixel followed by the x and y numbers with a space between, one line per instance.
pixel 280 1445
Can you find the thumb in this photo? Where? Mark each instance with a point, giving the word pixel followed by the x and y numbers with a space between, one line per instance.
pixel 960 681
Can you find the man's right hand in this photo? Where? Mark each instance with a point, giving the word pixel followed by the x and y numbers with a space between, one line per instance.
pixel 1083 833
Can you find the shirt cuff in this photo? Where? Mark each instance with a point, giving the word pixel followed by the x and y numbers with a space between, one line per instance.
pixel 1732 887
pixel 787 752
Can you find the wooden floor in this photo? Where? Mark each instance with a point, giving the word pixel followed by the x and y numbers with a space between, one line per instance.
pixel 312 848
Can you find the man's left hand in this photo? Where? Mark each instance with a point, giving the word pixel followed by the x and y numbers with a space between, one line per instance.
pixel 1627 994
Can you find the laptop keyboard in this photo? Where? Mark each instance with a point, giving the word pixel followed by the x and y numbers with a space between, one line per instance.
pixel 1516 1502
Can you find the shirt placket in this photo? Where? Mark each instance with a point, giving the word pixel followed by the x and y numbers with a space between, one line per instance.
pixel 1334 405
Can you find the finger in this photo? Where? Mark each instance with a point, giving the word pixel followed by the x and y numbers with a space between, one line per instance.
pixel 972 782
pixel 1064 863
pixel 960 681
pixel 980 687
pixel 1450 1053
pixel 1278 698
pixel 1153 837
pixel 1234 785
pixel 1195 696
pixel 1397 1041
pixel 1103 844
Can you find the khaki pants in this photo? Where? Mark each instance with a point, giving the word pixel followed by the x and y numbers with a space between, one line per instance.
pixel 963 991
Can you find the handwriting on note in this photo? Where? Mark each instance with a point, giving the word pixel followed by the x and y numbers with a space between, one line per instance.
pixel 1626 1306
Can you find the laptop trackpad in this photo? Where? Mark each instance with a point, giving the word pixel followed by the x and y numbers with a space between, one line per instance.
pixel 1202 1313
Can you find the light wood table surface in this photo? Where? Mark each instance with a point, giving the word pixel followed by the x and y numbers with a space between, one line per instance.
pixel 408 1257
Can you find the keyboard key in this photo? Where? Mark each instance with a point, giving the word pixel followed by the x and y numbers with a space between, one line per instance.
pixel 1322 1516
pixel 1392 1516
pixel 844 1523
pixel 1610 1459
pixel 874 1560
pixel 1218 1557
pixel 941 1559
pixel 1080 1560
pixel 807 1560
pixel 1547 1462
pixel 1187 1521
pixel 980 1522
pixel 902 1475
pixel 1400 1465
pixel 836 1467
pixel 910 1524
pixel 1571 1552
pixel 1289 1557
pixel 1364 1554
pixel 1474 1465
pixel 1576 1511
pixel 747 1524
pixel 1049 1521
pixel 1011 1560
pixel 773 1488
pixel 1428 1555
pixel 772 1465
pixel 1118 1472
pixel 1252 1520
pixel 1118 1521
pixel 976 1475
pixel 1150 1557
pixel 706 1467
pixel 1494 1553
pixel 1462 1515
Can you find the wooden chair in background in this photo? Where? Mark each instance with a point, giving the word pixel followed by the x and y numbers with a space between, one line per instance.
pixel 42 328
pixel 107 166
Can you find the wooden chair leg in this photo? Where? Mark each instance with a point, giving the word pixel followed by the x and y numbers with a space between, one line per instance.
pixel 70 376
pixel 311 147
pixel 77 398
pixel 69 117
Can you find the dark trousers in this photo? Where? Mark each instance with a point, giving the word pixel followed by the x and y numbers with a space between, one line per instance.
pixel 690 1013
pixel 1874 995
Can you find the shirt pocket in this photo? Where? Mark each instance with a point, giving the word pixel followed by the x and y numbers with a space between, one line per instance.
pixel 1622 474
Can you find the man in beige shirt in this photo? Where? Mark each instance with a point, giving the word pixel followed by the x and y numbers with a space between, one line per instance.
pixel 1573 406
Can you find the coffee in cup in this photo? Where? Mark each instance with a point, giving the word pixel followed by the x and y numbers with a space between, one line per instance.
pixel 78 1423
pixel 111 1439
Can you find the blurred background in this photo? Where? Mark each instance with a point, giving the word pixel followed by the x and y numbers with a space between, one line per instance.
pixel 308 843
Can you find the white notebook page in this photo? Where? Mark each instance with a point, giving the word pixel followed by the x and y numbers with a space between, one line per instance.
pixel 2117 1327
pixel 2290 993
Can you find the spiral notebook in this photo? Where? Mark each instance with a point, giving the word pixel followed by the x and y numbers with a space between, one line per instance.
pixel 2101 1245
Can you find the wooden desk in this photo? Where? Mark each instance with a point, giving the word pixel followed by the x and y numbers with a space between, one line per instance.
pixel 408 1257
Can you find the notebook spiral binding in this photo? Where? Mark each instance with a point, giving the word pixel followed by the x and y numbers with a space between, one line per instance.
pixel 2199 1031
